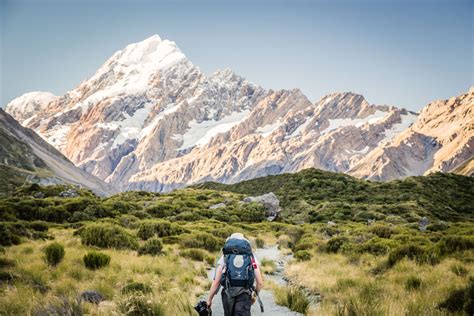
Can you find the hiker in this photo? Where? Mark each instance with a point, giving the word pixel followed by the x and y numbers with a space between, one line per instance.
pixel 237 271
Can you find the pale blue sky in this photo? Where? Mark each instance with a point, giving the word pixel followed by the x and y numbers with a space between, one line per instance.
pixel 403 53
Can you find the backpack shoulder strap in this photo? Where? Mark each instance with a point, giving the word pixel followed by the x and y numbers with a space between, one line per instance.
pixel 254 263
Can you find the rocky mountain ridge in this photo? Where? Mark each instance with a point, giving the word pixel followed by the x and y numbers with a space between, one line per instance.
pixel 25 157
pixel 149 119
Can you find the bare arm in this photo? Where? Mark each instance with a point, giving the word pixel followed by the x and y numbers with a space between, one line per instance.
pixel 258 279
pixel 215 285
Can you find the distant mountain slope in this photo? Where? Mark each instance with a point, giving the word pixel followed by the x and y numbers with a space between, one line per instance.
pixel 149 119
pixel 25 157
pixel 317 195
pixel 466 168
pixel 441 139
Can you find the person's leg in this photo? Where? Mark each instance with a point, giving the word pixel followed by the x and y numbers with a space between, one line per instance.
pixel 225 303
pixel 242 305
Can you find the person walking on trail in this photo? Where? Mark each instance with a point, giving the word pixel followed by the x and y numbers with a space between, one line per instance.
pixel 238 272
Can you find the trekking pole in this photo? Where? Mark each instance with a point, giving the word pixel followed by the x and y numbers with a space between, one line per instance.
pixel 260 302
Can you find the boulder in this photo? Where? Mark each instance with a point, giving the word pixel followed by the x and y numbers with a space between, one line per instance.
pixel 269 201
pixel 215 206
pixel 423 223
pixel 69 193
pixel 91 297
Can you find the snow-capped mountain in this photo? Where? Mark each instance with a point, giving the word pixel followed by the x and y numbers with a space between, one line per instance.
pixel 149 119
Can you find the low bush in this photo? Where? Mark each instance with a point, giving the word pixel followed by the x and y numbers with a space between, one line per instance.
pixel 6 276
pixel 413 252
pixel 8 235
pixel 96 260
pixel 412 283
pixel 194 254
pixel 146 230
pixel 201 240
pixel 455 301
pixel 6 263
pixel 152 247
pixel 382 231
pixel 302 255
pixel 136 287
pixel 259 242
pixel 39 226
pixel 377 246
pixel 451 244
pixel 160 228
pixel 54 253
pixel 469 298
pixel 108 236
pixel 334 244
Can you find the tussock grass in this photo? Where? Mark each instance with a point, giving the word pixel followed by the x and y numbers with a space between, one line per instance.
pixel 175 282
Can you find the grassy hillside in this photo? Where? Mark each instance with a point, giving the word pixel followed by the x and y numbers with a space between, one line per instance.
pixel 315 195
pixel 148 253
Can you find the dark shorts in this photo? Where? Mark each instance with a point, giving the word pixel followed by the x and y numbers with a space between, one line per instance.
pixel 242 305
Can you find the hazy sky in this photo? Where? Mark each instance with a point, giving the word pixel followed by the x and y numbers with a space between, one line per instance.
pixel 404 53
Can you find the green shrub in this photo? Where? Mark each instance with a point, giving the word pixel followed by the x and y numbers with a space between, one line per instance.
pixel 95 260
pixel 202 197
pixel 108 236
pixel 6 263
pixel 436 227
pixel 151 247
pixel 194 254
pixel 334 244
pixel 252 212
pixel 146 230
pixel 413 252
pixel 382 231
pixel 302 255
pixel 141 214
pixel 329 231
pixel 160 228
pixel 451 244
pixel 412 283
pixel 455 301
pixel 8 236
pixel 6 276
pixel 54 253
pixel 469 298
pixel 259 242
pixel 39 226
pixel 136 287
pixel 171 239
pixel 295 233
pixel 377 246
pixel 201 240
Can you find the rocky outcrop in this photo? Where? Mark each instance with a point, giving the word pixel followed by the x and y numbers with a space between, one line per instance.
pixel 269 201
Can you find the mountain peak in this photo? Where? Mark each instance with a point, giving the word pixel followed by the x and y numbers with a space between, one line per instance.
pixel 152 52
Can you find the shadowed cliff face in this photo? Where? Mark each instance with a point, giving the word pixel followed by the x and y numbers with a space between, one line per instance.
pixel 25 157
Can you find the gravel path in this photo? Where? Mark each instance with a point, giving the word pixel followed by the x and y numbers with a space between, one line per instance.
pixel 271 308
